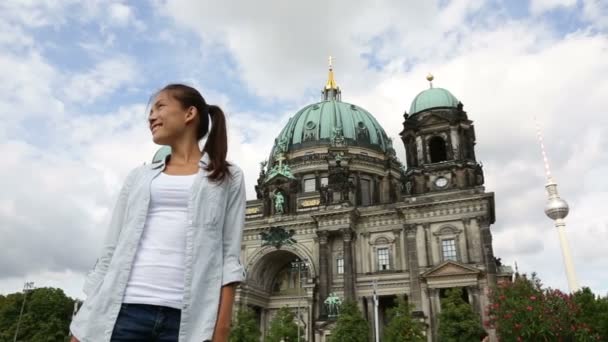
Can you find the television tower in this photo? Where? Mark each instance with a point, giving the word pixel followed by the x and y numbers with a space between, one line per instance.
pixel 557 210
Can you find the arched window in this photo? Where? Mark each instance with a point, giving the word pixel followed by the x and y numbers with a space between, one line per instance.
pixel 437 150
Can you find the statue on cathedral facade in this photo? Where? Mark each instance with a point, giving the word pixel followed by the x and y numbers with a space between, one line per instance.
pixel 332 305
pixel 279 203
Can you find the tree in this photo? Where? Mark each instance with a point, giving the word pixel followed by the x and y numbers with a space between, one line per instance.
pixel 350 326
pixel 593 312
pixel 46 316
pixel 245 329
pixel 401 326
pixel 524 311
pixel 457 320
pixel 283 327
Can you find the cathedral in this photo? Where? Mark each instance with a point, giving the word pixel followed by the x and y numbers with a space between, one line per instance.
pixel 339 217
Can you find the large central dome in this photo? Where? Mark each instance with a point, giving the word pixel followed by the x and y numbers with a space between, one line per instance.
pixel 318 123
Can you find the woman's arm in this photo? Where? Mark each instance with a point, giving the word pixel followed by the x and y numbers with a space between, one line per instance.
pixel 232 270
pixel 222 325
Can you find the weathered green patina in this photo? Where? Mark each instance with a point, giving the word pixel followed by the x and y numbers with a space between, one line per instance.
pixel 331 122
pixel 433 98
pixel 277 237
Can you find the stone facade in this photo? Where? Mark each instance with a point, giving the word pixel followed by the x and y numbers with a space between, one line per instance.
pixel 358 218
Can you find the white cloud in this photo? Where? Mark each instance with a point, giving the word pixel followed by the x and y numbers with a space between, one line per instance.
pixel 540 6
pixel 104 79
pixel 123 15
pixel 596 11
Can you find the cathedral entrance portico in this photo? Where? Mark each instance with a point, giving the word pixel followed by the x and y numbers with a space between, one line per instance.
pixel 278 278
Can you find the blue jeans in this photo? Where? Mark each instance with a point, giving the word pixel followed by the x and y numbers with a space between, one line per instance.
pixel 141 322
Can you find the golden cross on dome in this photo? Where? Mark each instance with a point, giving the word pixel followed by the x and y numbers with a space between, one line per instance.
pixel 331 62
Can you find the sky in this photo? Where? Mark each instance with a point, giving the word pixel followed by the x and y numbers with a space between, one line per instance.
pixel 77 77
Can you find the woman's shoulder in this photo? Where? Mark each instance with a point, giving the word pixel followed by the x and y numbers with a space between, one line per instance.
pixel 235 171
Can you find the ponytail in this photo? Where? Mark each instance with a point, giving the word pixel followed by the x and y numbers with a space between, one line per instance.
pixel 216 145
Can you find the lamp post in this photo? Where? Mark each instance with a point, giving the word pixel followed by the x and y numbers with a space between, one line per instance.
pixel 377 335
pixel 26 288
pixel 300 265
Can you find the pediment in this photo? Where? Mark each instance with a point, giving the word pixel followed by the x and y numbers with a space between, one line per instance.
pixel 450 268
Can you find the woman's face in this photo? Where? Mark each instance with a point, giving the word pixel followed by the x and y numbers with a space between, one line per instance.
pixel 168 121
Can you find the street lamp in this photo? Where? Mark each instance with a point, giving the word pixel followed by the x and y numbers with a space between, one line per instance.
pixel 300 265
pixel 26 288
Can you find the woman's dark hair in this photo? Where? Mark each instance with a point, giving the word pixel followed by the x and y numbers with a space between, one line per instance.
pixel 216 145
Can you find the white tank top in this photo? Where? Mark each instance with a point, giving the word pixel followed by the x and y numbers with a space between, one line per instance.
pixel 157 275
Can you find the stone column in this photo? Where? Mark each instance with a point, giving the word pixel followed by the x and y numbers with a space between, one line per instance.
pixel 358 188
pixel 488 251
pixel 473 244
pixel 412 260
pixel 397 235
pixel 455 139
pixel 435 310
pixel 370 317
pixel 263 314
pixel 349 279
pixel 428 251
pixel 324 276
pixel 419 150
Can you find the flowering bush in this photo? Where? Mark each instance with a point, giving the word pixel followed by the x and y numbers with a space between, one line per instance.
pixel 524 311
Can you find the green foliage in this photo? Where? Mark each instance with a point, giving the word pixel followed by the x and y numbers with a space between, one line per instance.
pixel 283 327
pixel 351 326
pixel 46 316
pixel 457 320
pixel 524 311
pixel 245 329
pixel 593 312
pixel 401 326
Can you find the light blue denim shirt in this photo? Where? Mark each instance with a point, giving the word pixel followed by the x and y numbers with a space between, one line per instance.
pixel 216 216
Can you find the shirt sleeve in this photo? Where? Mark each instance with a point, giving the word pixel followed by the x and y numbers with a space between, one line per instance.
pixel 234 222
pixel 112 234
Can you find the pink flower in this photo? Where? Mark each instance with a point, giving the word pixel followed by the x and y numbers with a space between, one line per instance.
pixel 529 308
pixel 532 297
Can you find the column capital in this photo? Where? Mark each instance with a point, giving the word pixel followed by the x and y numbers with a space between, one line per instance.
pixel 347 234
pixel 410 230
pixel 483 221
pixel 323 236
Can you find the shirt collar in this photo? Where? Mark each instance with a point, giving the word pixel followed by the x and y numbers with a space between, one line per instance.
pixel 203 162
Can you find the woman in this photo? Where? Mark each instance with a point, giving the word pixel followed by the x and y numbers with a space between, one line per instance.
pixel 170 262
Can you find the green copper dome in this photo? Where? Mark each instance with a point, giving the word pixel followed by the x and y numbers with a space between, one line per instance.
pixel 433 98
pixel 325 122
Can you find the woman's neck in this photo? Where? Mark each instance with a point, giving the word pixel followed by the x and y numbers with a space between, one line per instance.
pixel 184 159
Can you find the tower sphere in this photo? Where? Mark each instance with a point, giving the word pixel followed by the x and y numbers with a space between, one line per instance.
pixel 556 208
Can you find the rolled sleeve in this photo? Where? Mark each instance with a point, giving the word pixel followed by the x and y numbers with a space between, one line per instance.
pixel 234 222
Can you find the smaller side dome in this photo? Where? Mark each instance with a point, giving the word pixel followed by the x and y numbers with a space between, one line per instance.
pixel 433 98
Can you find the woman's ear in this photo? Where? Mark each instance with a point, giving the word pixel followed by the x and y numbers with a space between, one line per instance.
pixel 191 114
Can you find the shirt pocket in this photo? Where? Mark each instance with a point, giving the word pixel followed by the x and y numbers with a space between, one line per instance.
pixel 212 206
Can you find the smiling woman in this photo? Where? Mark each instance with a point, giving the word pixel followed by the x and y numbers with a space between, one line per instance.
pixel 171 255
